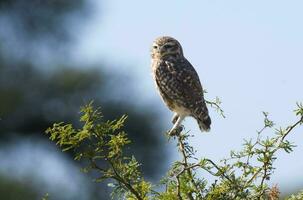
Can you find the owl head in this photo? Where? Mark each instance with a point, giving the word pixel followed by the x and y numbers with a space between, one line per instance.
pixel 166 46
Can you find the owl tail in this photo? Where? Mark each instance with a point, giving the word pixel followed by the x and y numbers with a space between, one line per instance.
pixel 202 117
pixel 204 123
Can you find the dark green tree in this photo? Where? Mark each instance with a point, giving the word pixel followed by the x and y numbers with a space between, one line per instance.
pixel 33 97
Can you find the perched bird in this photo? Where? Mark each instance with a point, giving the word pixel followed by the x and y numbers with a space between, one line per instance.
pixel 178 83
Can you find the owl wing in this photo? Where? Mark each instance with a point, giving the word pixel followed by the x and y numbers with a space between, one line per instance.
pixel 179 81
pixel 179 84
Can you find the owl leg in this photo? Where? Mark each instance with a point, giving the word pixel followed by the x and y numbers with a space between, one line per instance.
pixel 176 126
pixel 175 118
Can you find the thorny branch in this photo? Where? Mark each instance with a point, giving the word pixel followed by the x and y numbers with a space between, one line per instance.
pixel 120 179
pixel 216 104
pixel 251 184
pixel 266 163
pixel 116 177
pixel 186 154
pixel 264 169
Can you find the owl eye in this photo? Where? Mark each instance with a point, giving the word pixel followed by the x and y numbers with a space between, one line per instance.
pixel 168 46
pixel 155 47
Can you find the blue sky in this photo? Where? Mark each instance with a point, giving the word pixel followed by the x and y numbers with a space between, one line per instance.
pixel 249 53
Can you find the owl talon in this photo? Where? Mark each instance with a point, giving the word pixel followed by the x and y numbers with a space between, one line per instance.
pixel 175 131
pixel 172 133
pixel 175 118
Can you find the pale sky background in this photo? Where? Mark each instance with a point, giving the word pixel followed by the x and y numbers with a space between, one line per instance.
pixel 249 53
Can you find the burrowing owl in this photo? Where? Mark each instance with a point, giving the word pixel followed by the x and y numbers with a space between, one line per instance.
pixel 178 83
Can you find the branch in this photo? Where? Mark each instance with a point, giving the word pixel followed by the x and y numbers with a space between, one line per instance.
pixel 220 170
pixel 265 170
pixel 216 104
pixel 265 165
pixel 118 178
pixel 290 128
pixel 178 185
pixel 186 167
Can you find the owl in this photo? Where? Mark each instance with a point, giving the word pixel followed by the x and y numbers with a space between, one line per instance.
pixel 178 83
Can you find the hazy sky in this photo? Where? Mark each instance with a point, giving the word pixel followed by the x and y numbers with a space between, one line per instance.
pixel 249 53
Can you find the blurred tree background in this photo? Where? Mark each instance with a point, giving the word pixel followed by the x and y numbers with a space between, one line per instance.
pixel 39 85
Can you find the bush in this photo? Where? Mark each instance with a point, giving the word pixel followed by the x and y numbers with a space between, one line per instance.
pixel 243 175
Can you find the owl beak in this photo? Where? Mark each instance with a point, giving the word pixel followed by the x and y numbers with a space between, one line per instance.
pixel 162 50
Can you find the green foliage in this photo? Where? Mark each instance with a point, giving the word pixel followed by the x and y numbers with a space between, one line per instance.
pixel 45 197
pixel 298 196
pixel 243 175
pixel 101 144
pixel 216 105
pixel 11 189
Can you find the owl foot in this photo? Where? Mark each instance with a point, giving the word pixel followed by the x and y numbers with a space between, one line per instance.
pixel 175 118
pixel 175 131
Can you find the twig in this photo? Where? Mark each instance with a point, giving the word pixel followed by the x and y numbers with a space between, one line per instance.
pixel 216 105
pixel 290 129
pixel 253 177
pixel 94 164
pixel 265 165
pixel 121 180
pixel 178 186
pixel 219 169
pixel 264 168
pixel 186 165
pixel 117 177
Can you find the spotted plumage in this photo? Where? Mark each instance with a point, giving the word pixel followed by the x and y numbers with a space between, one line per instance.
pixel 178 83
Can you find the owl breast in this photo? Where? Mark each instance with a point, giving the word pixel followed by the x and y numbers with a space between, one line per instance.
pixel 167 84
